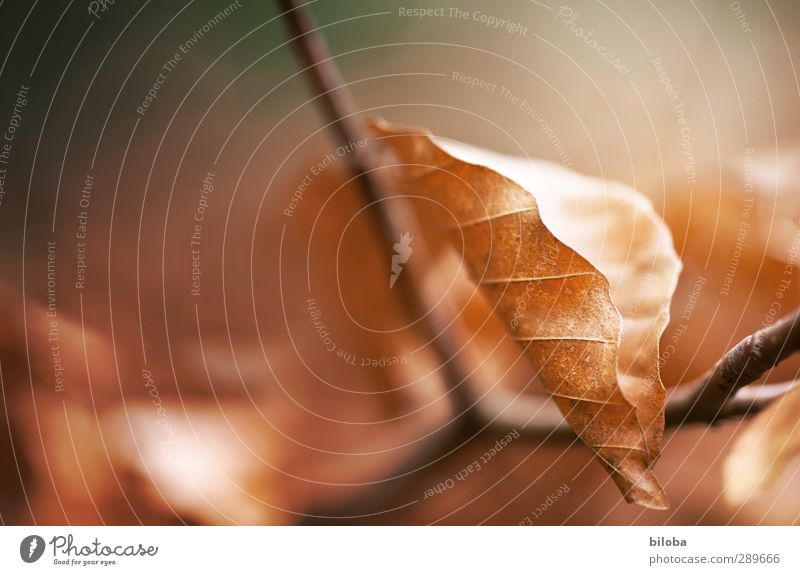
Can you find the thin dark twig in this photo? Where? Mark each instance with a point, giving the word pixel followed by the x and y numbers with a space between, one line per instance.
pixel 747 401
pixel 337 100
pixel 712 396
pixel 376 186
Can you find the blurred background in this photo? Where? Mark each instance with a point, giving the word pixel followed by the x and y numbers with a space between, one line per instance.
pixel 196 326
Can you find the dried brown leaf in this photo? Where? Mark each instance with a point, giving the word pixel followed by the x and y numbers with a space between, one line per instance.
pixel 617 230
pixel 559 305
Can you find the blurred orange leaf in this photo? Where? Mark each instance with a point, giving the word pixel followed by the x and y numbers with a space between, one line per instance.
pixel 764 450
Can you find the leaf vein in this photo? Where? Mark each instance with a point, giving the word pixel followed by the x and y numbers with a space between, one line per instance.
pixel 540 278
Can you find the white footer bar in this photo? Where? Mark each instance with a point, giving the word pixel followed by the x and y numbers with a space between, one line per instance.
pixel 400 550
